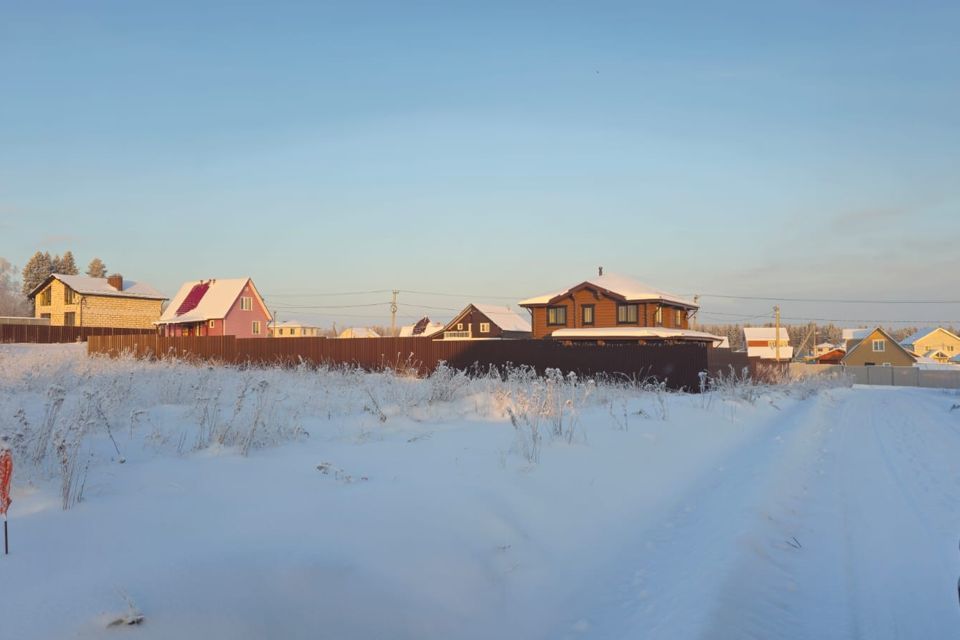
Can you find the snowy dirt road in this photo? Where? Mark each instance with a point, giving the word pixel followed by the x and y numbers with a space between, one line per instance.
pixel 373 506
pixel 839 520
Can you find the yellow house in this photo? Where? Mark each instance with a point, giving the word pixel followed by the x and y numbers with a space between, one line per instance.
pixel 80 301
pixel 294 329
pixel 936 343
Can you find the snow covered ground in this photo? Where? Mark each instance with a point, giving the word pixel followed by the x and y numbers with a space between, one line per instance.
pixel 304 504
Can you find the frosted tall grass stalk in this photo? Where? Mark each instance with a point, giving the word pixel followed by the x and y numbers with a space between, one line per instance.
pixel 247 442
pixel 55 397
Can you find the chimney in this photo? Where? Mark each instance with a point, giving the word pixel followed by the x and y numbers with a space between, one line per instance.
pixel 600 269
pixel 116 281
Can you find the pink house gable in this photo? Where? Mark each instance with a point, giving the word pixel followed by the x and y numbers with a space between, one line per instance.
pixel 239 322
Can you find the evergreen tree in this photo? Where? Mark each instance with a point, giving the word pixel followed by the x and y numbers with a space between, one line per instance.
pixel 66 264
pixel 36 271
pixel 96 268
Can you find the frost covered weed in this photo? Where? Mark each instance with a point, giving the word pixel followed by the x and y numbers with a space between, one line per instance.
pixel 66 412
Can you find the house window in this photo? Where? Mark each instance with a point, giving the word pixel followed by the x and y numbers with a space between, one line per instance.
pixel 459 326
pixel 303 332
pixel 586 314
pixel 627 313
pixel 678 318
pixel 556 316
pixel 68 295
pixel 46 296
pixel 45 316
pixel 658 317
pixel 70 319
pixel 484 327
pixel 246 303
pixel 255 329
pixel 879 346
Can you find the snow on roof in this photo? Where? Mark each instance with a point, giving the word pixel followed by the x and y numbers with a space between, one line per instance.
pixel 609 333
pixel 432 328
pixel 358 332
pixel 504 317
pixel 919 334
pixel 856 334
pixel 629 288
pixel 955 359
pixel 294 323
pixel 87 286
pixel 212 305
pixel 765 333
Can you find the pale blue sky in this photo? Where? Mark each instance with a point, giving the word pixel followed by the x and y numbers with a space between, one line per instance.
pixel 782 149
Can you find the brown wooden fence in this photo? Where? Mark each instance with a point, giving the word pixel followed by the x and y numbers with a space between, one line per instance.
pixel 48 335
pixel 720 361
pixel 678 365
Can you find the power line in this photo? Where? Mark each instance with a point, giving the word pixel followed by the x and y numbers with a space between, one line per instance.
pixel 824 300
pixel 318 294
pixel 332 306
pixel 461 295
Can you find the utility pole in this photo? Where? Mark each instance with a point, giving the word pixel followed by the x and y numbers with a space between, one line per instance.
pixel 776 314
pixel 393 314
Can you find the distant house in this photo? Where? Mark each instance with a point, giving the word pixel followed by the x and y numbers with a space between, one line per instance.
pixel 81 301
pixel 933 342
pixel 762 342
pixel 824 347
pixel 834 356
pixel 486 322
pixel 878 348
pixel 613 308
pixel 421 329
pixel 294 329
pixel 219 307
pixel 358 332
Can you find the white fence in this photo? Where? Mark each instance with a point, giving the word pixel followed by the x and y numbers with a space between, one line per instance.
pixel 887 376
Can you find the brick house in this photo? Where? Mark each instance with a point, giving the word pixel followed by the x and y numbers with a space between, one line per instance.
pixel 614 308
pixel 81 301
pixel 231 307
pixel 486 322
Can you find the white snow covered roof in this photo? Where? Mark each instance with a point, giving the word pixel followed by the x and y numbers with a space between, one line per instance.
pixel 855 334
pixel 630 289
pixel 504 317
pixel 358 332
pixel 765 333
pixel 612 333
pixel 87 286
pixel 432 328
pixel 294 323
pixel 213 305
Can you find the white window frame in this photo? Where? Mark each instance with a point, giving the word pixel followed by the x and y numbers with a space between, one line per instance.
pixel 255 328
pixel 484 327
pixel 459 326
pixel 212 324
pixel 246 303
pixel 658 317
pixel 881 343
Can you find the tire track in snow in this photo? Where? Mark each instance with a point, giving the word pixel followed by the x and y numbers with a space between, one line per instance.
pixel 717 566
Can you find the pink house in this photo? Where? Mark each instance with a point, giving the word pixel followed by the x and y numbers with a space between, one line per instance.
pixel 216 308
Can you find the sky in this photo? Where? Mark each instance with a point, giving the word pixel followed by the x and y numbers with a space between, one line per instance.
pixel 493 151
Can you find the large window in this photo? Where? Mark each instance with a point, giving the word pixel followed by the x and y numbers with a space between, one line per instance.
pixel 627 313
pixel 658 317
pixel 246 303
pixel 46 297
pixel 67 295
pixel 70 319
pixel 587 315
pixel 484 327
pixel 556 316
pixel 879 346
pixel 678 318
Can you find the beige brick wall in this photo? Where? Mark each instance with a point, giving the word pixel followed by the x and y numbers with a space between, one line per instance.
pixel 98 311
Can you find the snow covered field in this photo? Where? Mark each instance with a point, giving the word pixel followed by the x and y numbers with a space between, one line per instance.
pixel 304 504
